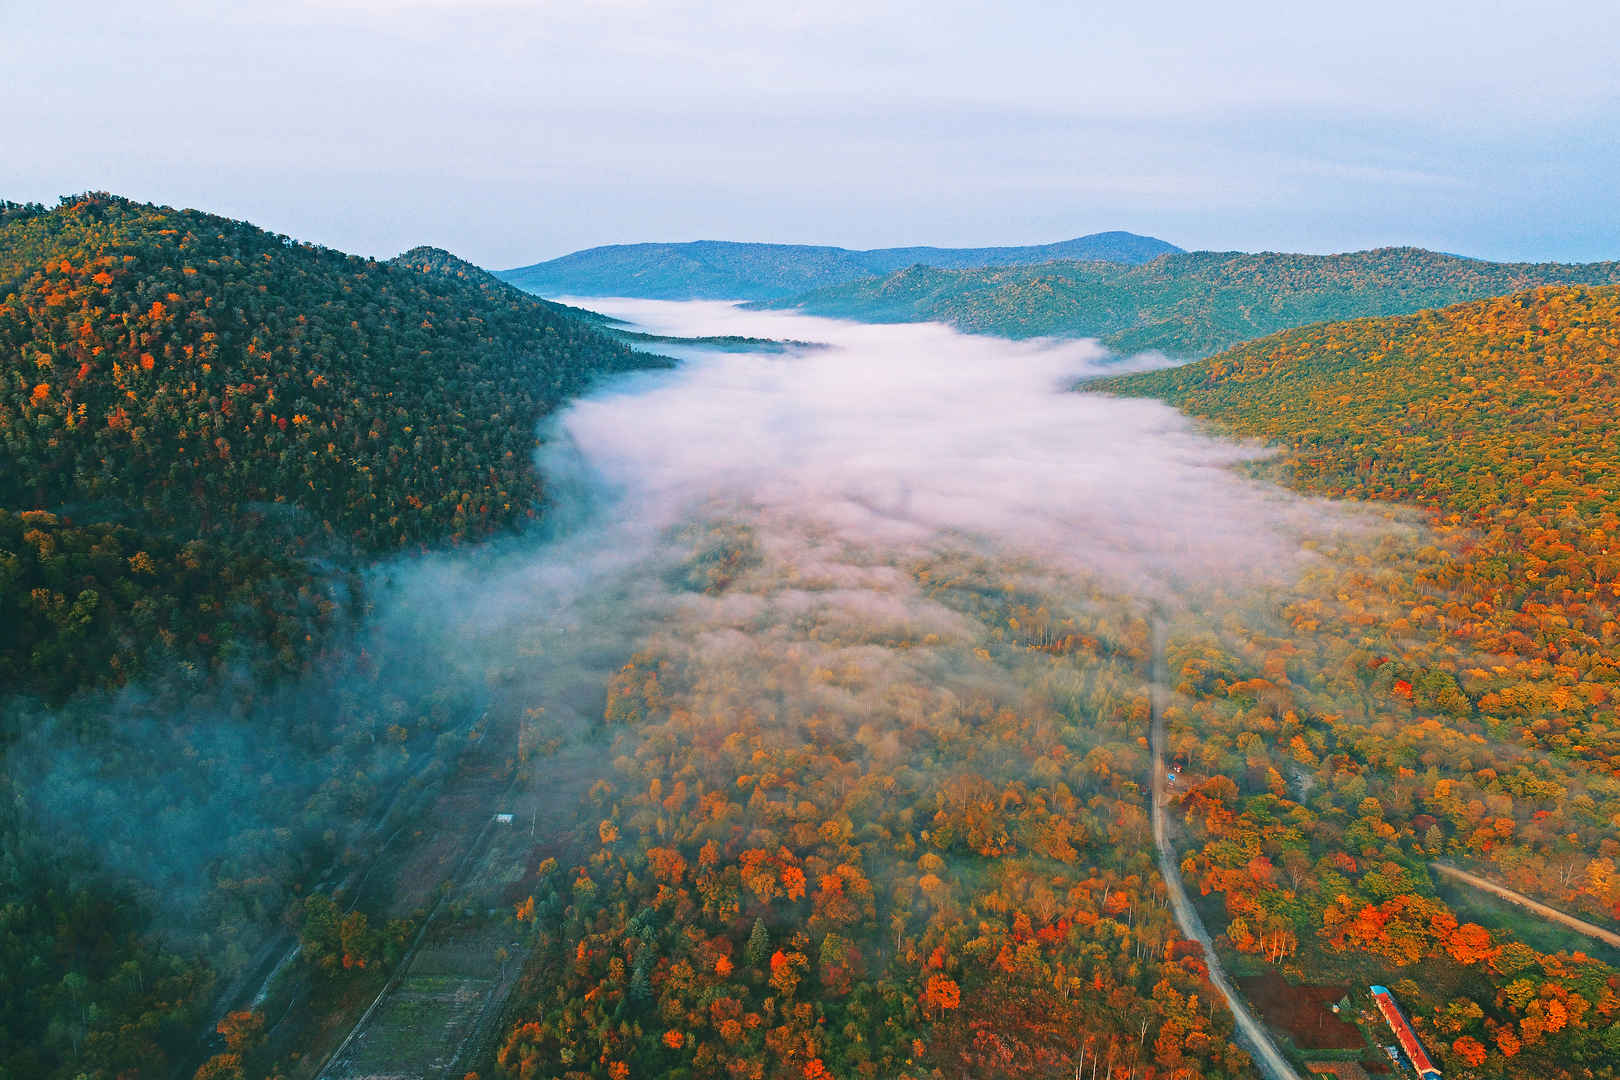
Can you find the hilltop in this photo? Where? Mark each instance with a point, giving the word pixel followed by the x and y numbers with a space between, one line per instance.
pixel 192 408
pixel 435 260
pixel 1185 304
pixel 721 270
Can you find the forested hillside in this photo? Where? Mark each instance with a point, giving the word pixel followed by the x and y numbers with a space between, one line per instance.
pixel 191 408
pixel 207 432
pixel 718 270
pixel 1447 696
pixel 1186 304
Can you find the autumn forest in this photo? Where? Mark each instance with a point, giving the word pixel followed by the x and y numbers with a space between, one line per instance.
pixel 402 674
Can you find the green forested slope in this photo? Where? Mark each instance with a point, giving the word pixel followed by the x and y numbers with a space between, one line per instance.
pixel 1186 304
pixel 191 407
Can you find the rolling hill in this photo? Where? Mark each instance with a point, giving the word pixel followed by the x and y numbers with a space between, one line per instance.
pixel 192 408
pixel 719 270
pixel 1184 304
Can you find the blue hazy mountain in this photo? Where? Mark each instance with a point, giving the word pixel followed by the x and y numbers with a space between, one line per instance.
pixel 715 270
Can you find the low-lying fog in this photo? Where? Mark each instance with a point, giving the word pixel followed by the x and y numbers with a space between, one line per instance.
pixel 902 433
pixel 903 436
pixel 844 463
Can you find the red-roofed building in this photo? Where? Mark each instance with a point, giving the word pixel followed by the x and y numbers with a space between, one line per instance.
pixel 1404 1035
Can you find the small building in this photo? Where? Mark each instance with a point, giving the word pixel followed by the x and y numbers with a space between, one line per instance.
pixel 1405 1037
pixel 503 819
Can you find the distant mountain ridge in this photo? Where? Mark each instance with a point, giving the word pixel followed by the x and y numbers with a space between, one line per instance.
pixel 1186 304
pixel 725 270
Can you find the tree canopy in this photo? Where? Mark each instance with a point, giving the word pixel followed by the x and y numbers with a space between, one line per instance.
pixel 192 410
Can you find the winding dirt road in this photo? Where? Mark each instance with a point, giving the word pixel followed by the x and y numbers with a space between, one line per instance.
pixel 1552 914
pixel 1250 1034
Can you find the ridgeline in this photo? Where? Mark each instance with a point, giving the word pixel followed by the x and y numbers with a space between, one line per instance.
pixel 1186 304
pixel 720 270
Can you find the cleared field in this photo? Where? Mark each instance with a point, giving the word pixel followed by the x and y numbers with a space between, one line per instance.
pixel 433 1019
pixel 1302 1012
pixel 418 1031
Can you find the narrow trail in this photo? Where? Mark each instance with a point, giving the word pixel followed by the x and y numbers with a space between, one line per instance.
pixel 1250 1034
pixel 1551 914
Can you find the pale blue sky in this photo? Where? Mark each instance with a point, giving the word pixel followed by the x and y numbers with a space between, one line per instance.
pixel 511 131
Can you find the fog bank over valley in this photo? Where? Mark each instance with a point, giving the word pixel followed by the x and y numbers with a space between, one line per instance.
pixel 899 442
pixel 906 436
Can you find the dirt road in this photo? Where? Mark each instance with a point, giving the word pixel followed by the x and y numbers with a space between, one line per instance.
pixel 1551 914
pixel 1250 1034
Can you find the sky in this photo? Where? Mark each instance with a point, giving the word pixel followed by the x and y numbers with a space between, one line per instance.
pixel 511 131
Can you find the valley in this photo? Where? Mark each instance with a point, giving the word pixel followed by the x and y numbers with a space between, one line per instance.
pixel 858 541
pixel 788 701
